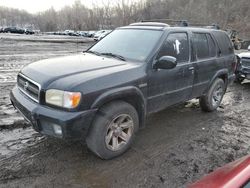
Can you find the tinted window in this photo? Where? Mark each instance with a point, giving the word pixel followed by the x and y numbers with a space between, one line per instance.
pixel 130 43
pixel 224 42
pixel 176 45
pixel 212 47
pixel 201 43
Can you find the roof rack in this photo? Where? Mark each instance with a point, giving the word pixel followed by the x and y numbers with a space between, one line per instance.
pixel 155 24
pixel 182 23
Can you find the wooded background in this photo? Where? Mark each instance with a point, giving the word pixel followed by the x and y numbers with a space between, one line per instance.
pixel 233 14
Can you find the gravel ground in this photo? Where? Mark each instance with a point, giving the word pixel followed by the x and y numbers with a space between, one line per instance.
pixel 179 145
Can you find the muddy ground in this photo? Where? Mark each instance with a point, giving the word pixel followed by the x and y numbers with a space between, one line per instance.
pixel 178 146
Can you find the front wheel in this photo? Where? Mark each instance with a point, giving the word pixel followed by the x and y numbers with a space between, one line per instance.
pixel 113 130
pixel 212 100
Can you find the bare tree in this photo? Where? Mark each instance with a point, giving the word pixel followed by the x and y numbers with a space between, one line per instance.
pixel 111 14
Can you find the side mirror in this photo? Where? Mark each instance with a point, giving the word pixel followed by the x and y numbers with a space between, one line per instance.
pixel 248 48
pixel 165 62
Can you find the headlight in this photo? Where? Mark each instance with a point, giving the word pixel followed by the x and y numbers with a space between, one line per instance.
pixel 63 98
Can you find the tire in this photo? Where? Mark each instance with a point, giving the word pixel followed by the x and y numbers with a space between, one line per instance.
pixel 108 130
pixel 212 100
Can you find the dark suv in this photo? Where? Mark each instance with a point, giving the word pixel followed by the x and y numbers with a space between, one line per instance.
pixel 105 93
pixel 14 30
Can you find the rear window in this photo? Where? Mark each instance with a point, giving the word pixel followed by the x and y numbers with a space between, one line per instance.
pixel 224 42
pixel 201 43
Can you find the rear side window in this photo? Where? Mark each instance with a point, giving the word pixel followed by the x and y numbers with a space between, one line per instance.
pixel 201 43
pixel 176 45
pixel 205 45
pixel 224 42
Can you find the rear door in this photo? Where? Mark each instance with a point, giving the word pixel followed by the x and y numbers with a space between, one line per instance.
pixel 226 51
pixel 168 87
pixel 206 62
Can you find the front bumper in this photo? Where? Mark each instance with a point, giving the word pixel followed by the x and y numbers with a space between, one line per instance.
pixel 244 72
pixel 72 125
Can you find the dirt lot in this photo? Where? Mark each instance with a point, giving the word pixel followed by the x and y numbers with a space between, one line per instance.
pixel 178 146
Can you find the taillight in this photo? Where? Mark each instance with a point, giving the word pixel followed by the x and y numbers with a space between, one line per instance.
pixel 236 63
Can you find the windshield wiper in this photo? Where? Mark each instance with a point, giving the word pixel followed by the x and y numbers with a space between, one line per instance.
pixel 114 55
pixel 93 52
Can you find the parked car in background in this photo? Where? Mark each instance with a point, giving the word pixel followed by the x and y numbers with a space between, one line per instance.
pixel 1 30
pixel 243 66
pixel 82 33
pixel 234 175
pixel 101 35
pixel 29 32
pixel 68 32
pixel 90 33
pixel 105 94
pixel 98 34
pixel 14 30
pixel 75 34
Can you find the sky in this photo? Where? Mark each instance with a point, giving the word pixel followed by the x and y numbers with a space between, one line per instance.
pixel 34 6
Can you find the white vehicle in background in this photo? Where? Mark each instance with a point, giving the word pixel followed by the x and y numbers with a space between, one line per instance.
pixel 91 33
pixel 68 32
pixel 82 33
pixel 101 34
pixel 242 71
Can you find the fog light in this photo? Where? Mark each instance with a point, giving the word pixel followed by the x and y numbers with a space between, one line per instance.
pixel 57 129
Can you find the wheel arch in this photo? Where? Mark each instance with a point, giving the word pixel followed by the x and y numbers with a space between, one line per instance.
pixel 223 74
pixel 130 94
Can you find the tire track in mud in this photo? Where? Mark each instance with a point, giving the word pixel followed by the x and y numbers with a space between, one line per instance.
pixel 160 166
pixel 14 55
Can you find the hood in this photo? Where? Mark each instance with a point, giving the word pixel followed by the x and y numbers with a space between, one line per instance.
pixel 49 70
pixel 244 55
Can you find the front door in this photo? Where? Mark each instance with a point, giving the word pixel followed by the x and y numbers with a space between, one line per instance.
pixel 171 86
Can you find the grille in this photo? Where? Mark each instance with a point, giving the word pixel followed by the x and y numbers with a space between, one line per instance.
pixel 245 62
pixel 28 87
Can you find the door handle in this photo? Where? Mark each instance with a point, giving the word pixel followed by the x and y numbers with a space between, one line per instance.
pixel 191 69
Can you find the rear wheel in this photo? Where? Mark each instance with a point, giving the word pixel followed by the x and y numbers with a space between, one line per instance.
pixel 113 130
pixel 212 100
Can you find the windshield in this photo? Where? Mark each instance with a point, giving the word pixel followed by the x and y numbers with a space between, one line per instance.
pixel 132 44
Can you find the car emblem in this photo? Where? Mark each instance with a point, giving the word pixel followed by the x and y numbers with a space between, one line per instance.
pixel 26 85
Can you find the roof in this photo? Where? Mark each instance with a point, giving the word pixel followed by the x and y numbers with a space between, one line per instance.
pixel 164 26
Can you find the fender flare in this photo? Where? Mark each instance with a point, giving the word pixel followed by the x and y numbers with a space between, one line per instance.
pixel 121 93
pixel 223 73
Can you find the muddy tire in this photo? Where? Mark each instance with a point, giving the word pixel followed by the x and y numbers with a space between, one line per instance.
pixel 113 130
pixel 211 101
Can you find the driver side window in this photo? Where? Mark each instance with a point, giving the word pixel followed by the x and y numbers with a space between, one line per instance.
pixel 176 45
